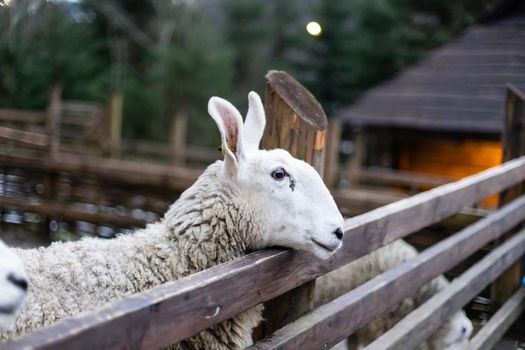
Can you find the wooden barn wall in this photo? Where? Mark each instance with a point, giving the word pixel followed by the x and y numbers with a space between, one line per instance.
pixel 456 158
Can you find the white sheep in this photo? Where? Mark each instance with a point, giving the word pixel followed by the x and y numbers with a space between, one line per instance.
pixel 253 199
pixel 13 285
pixel 452 334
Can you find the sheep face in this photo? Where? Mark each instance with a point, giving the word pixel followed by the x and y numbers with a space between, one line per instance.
pixel 453 334
pixel 13 285
pixel 293 206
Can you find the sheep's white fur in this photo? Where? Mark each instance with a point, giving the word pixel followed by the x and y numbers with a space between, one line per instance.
pixel 452 334
pixel 13 285
pixel 235 206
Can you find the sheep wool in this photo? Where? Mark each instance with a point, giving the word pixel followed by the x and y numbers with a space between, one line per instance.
pixel 237 205
pixel 203 228
pixel 452 334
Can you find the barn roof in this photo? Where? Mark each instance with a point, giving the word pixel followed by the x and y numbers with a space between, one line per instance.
pixel 459 87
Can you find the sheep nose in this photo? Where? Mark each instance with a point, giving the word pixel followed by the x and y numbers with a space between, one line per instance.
pixel 338 233
pixel 463 330
pixel 20 282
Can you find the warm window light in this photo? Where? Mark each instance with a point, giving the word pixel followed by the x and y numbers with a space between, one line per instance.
pixel 314 28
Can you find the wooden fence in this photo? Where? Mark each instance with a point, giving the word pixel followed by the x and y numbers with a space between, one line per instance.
pixel 179 309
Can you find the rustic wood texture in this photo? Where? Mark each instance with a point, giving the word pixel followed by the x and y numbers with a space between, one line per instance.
pixel 53 120
pixel 457 87
pixel 393 177
pixel 115 122
pixel 164 150
pixel 513 147
pixel 331 171
pixel 13 115
pixel 349 312
pixel 126 172
pixel 27 138
pixel 256 278
pixel 68 212
pixel 179 127
pixel 498 324
pixel 422 322
pixel 378 227
pixel 296 122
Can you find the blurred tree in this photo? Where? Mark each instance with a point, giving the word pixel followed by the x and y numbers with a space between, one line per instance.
pixel 168 57
pixel 43 44
pixel 367 41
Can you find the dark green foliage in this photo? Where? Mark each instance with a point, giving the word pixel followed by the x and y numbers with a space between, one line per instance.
pixel 44 47
pixel 201 48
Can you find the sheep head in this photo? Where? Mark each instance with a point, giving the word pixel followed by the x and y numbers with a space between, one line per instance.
pixel 453 334
pixel 289 198
pixel 13 285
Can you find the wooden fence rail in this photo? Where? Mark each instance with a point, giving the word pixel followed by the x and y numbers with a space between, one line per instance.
pixel 174 311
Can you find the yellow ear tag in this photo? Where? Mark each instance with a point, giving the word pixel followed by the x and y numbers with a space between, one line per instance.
pixel 229 145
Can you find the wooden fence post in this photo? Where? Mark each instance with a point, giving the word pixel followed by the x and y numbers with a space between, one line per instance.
pixel 53 121
pixel 179 126
pixel 115 123
pixel 54 113
pixel 295 122
pixel 331 171
pixel 513 147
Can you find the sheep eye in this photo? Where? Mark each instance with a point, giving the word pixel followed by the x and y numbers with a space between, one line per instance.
pixel 279 174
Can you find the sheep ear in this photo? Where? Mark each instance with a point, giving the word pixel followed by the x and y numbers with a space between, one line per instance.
pixel 229 122
pixel 255 123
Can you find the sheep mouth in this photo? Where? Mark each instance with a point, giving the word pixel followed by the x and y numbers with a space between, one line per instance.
pixel 323 246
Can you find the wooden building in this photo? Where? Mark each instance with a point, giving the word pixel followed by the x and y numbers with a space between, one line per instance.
pixel 444 115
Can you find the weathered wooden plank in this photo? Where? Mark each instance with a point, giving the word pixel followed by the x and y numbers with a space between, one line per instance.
pixel 269 273
pixel 358 307
pixel 299 126
pixel 333 139
pixel 498 324
pixel 68 212
pixel 128 172
pixel 155 318
pixel 194 153
pixel 513 147
pixel 115 123
pixel 378 227
pixel 420 324
pixel 28 138
pixel 54 114
pixel 20 116
pixel 400 177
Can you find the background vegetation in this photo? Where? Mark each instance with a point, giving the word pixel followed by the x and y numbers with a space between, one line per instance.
pixel 169 56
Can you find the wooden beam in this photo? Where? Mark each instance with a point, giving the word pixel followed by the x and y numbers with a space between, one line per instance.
pixel 353 310
pixel 498 324
pixel 268 273
pixel 54 113
pixel 513 147
pixel 165 150
pixel 127 172
pixel 179 126
pixel 421 323
pixel 331 171
pixel 387 176
pixel 296 122
pixel 115 123
pixel 68 212
pixel 20 116
pixel 381 226
pixel 27 138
